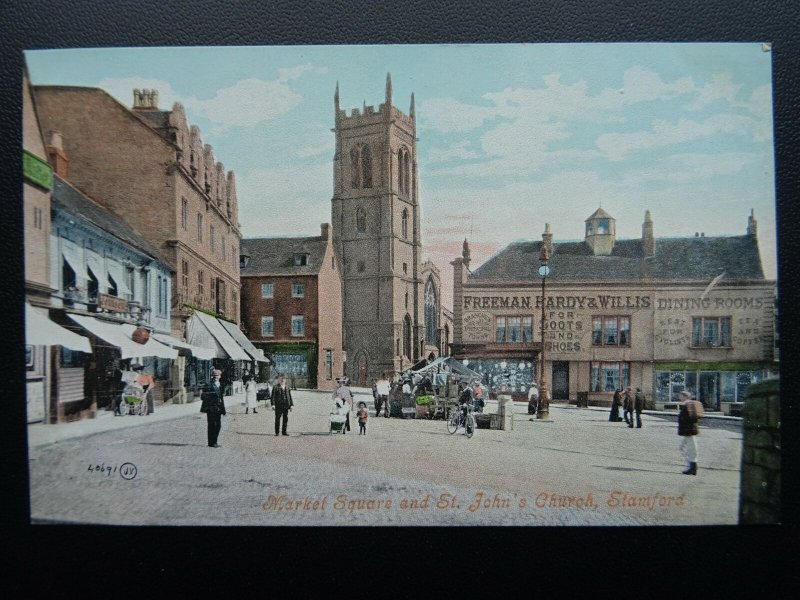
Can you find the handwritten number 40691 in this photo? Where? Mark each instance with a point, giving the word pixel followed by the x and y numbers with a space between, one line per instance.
pixel 126 470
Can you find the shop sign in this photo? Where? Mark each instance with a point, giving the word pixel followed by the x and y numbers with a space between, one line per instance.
pixel 556 302
pixel 112 303
pixel 36 170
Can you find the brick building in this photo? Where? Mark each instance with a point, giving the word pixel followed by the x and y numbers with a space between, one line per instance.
pixel 154 171
pixel 292 306
pixel 662 314
pixel 375 213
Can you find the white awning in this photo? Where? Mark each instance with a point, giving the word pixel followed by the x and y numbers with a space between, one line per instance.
pixel 72 253
pixel 197 351
pixel 231 347
pixel 41 331
pixel 242 340
pixel 118 273
pixel 96 264
pixel 119 335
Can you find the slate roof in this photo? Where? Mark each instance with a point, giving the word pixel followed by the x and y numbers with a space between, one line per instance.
pixel 275 256
pixel 685 259
pixel 599 214
pixel 72 200
pixel 157 119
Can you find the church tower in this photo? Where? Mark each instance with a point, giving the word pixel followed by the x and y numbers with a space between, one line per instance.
pixel 375 214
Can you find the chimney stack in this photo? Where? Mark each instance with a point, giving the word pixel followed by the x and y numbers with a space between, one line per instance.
pixel 145 99
pixel 547 238
pixel 56 155
pixel 752 224
pixel 326 231
pixel 648 241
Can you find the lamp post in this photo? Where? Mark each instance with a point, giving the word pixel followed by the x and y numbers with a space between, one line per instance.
pixel 543 411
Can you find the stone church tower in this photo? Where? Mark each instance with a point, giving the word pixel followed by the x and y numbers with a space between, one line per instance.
pixel 376 225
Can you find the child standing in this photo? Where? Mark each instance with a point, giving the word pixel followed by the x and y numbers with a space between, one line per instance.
pixel 362 415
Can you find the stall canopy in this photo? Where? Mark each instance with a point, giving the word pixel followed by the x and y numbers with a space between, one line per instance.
pixel 241 339
pixel 446 365
pixel 201 324
pixel 41 331
pixel 119 335
pixel 197 351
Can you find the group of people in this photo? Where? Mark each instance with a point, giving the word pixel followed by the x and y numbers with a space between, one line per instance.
pixel 631 403
pixel 343 404
pixel 213 404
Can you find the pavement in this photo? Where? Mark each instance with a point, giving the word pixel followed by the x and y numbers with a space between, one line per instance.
pixel 575 469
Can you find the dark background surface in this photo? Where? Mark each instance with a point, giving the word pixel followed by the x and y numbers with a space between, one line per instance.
pixel 53 559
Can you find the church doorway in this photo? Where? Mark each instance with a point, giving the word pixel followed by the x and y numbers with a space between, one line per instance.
pixel 362 368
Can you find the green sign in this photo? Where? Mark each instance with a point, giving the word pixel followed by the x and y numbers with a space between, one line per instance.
pixel 36 170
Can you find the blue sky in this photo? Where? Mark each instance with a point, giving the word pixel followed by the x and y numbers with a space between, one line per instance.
pixel 510 136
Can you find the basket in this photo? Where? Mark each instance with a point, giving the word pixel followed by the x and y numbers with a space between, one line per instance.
pixel 336 425
pixel 424 400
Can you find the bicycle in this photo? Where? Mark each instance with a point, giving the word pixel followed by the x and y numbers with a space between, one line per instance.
pixel 459 419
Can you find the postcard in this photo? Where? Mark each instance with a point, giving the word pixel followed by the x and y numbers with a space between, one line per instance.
pixel 414 285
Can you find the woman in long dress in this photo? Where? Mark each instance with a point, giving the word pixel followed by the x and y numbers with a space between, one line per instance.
pixel 250 395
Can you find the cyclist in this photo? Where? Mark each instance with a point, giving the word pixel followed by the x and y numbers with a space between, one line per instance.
pixel 465 398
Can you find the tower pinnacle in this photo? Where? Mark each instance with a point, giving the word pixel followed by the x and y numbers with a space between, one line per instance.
pixel 388 89
pixel 411 112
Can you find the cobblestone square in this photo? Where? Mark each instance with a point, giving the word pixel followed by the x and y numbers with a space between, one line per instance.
pixel 577 469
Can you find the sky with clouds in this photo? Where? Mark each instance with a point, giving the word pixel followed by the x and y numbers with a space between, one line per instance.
pixel 511 136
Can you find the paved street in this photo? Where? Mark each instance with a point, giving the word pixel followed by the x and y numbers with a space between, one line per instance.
pixel 578 469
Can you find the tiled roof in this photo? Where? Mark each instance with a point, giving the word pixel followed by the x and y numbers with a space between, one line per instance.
pixel 275 256
pixel 72 200
pixel 599 214
pixel 695 258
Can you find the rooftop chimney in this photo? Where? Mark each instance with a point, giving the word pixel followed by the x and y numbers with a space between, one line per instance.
pixel 752 224
pixel 56 155
pixel 325 231
pixel 547 238
pixel 465 253
pixel 145 99
pixel 648 241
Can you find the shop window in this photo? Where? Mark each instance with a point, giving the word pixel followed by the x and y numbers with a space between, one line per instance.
pixel 266 290
pixel 267 327
pixel 298 326
pixel 298 290
pixel 609 376
pixel 711 332
pixel 514 329
pixel 71 359
pixel 611 331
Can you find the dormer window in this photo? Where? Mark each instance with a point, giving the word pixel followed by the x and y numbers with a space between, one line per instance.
pixel 300 259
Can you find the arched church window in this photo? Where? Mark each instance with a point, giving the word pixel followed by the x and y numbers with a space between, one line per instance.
pixel 404 223
pixel 431 313
pixel 400 170
pixel 407 172
pixel 366 166
pixel 361 219
pixel 355 168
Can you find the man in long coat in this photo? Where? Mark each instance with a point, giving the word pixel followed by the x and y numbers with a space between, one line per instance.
pixel 282 402
pixel 213 404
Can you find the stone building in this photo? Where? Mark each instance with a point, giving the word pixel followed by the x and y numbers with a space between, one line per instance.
pixel 151 168
pixel 292 306
pixel 662 314
pixel 375 214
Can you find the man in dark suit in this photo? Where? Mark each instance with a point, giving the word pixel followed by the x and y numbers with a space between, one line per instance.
pixel 282 402
pixel 213 404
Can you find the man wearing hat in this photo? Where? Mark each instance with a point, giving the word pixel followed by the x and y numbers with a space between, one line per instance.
pixel 691 411
pixel 282 402
pixel 213 404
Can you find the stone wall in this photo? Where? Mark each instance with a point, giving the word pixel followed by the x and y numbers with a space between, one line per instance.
pixel 760 495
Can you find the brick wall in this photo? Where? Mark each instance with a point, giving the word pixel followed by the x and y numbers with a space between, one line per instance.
pixel 760 491
pixel 281 307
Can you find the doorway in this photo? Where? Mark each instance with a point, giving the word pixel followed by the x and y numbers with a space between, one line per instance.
pixel 560 389
pixel 708 389
pixel 362 370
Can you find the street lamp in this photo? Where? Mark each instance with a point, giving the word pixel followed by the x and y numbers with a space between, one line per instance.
pixel 543 412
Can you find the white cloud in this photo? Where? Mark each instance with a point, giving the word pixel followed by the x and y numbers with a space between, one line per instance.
pixel 721 87
pixel 317 149
pixel 246 103
pixel 617 146
pixel 460 150
pixel 282 201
